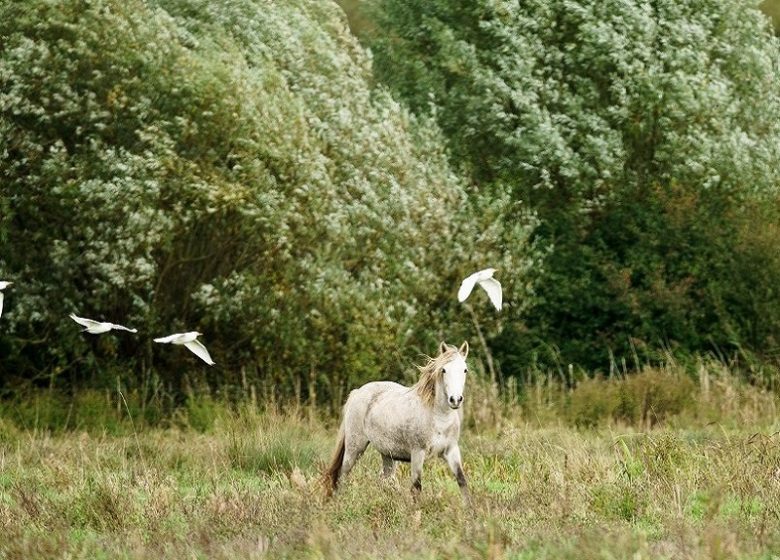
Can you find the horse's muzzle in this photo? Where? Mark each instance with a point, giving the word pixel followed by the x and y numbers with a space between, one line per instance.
pixel 455 402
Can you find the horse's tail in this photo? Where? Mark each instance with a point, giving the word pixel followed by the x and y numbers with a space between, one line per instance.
pixel 334 470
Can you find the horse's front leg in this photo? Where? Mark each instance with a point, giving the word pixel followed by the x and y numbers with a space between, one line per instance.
pixel 417 460
pixel 456 466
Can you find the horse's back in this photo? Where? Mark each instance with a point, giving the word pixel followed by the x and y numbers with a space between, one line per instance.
pixel 362 397
pixel 360 401
pixel 377 387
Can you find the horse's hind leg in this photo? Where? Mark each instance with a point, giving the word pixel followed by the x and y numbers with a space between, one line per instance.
pixel 354 446
pixel 355 440
pixel 388 466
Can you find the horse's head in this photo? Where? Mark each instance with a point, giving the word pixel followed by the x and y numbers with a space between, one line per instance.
pixel 453 373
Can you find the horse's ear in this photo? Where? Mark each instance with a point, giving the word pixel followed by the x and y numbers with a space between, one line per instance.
pixel 442 347
pixel 464 349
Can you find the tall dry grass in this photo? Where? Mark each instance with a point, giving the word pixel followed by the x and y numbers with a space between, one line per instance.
pixel 671 466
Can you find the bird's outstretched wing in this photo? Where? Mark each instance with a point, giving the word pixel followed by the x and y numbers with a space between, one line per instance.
pixel 122 328
pixel 494 292
pixel 167 339
pixel 84 322
pixel 466 286
pixel 1 304
pixel 200 351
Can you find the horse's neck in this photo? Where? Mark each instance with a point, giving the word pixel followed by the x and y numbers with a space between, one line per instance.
pixel 440 406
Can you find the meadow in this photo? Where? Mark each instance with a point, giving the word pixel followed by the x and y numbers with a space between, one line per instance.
pixel 661 464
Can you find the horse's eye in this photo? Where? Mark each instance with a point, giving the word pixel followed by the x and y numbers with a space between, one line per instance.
pixel 466 370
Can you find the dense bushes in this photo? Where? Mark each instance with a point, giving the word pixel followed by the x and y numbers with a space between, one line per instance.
pixel 176 164
pixel 644 399
pixel 645 135
pixel 235 168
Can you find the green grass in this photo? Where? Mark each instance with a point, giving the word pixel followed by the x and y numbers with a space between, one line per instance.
pixel 246 484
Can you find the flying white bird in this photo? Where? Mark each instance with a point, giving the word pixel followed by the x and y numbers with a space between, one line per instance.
pixel 486 281
pixel 3 285
pixel 188 339
pixel 97 327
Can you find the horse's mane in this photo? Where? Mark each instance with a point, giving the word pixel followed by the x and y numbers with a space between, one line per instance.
pixel 429 375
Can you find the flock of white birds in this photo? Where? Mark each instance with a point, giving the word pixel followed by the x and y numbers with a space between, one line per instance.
pixel 483 278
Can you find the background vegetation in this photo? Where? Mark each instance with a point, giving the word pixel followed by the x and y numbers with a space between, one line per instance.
pixel 182 165
pixel 310 202
pixel 307 186
pixel 645 140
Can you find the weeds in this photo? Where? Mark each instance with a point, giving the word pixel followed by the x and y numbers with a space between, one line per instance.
pixel 649 477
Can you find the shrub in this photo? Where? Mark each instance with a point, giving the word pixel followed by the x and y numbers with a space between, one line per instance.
pixel 654 395
pixel 646 137
pixel 593 402
pixel 643 399
pixel 272 443
pixel 176 165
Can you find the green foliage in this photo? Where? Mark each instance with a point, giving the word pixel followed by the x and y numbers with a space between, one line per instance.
pixel 772 9
pixel 178 165
pixel 359 21
pixel 617 502
pixel 645 398
pixel 274 450
pixel 85 410
pixel 646 136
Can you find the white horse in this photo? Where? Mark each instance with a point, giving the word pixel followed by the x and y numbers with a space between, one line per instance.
pixel 406 423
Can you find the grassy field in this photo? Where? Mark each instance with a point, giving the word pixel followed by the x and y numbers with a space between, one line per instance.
pixel 549 479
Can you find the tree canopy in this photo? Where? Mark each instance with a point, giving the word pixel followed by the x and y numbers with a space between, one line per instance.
pixel 227 167
pixel 253 171
pixel 645 135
